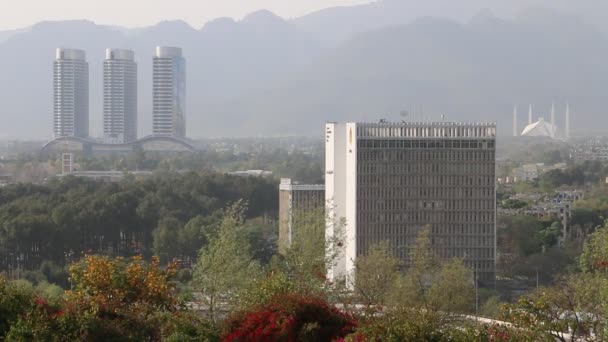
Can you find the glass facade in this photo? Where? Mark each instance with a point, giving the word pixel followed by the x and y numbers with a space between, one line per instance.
pixel 446 185
pixel 119 97
pixel 391 180
pixel 71 94
pixel 169 93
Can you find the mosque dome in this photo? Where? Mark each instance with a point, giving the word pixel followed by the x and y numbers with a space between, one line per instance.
pixel 540 128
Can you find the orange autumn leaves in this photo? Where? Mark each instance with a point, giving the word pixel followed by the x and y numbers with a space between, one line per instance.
pixel 119 286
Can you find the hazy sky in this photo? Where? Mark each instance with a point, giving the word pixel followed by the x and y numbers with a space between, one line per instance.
pixel 133 13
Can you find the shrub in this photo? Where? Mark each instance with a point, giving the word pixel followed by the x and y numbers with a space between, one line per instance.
pixel 14 301
pixel 290 318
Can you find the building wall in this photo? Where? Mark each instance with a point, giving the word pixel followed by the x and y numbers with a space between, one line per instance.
pixel 284 220
pixel 401 178
pixel 335 190
pixel 295 201
pixel 351 233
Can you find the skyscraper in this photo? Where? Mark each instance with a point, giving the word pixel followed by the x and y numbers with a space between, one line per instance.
pixel 71 94
pixel 391 180
pixel 169 107
pixel 119 97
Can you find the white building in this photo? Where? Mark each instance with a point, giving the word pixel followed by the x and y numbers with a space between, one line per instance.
pixel 528 172
pixel 119 97
pixel 71 94
pixel 540 128
pixel 169 94
pixel 388 181
pixel 296 199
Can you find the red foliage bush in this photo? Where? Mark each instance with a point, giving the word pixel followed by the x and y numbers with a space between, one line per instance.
pixel 290 318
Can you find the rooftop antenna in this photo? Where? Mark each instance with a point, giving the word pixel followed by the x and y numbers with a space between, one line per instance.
pixel 515 121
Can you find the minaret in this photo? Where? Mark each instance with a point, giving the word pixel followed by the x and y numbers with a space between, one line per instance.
pixel 530 116
pixel 567 133
pixel 515 133
pixel 553 127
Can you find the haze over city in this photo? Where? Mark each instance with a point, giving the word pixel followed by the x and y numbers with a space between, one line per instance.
pixel 149 12
pixel 484 58
pixel 264 170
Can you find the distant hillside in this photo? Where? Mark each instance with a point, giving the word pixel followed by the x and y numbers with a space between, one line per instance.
pixel 224 59
pixel 473 71
pixel 267 76
pixel 340 23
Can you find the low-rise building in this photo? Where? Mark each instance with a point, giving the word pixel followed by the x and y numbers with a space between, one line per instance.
pixel 108 176
pixel 251 173
pixel 530 172
pixel 295 200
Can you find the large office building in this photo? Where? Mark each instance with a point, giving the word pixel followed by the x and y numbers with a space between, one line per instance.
pixel 119 97
pixel 169 94
pixel 388 181
pixel 296 200
pixel 71 94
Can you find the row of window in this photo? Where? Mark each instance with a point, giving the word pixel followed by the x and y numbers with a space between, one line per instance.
pixel 365 217
pixel 435 130
pixel 380 193
pixel 389 155
pixel 424 204
pixel 480 259
pixel 430 144
pixel 446 168
pixel 424 179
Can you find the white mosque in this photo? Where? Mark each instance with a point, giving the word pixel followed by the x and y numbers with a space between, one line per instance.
pixel 542 128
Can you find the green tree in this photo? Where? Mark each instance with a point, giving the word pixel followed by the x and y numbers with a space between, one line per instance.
pixel 15 300
pixel 427 300
pixel 568 311
pixel 375 275
pixel 595 252
pixel 310 254
pixel 225 266
pixel 166 238
pixel 578 303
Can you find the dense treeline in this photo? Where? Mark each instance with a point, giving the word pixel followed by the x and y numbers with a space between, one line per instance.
pixel 66 218
pixel 590 172
pixel 304 166
pixel 238 299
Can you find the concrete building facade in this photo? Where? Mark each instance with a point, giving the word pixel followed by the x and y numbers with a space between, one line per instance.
pixel 169 92
pixel 295 200
pixel 70 94
pixel 119 97
pixel 388 181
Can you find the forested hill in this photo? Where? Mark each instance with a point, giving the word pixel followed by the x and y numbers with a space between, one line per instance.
pixel 167 216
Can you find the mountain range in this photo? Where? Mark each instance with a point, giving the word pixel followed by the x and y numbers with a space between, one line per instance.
pixel 264 75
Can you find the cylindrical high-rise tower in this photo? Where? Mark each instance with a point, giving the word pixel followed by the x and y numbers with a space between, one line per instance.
pixel 71 94
pixel 169 94
pixel 567 128
pixel 119 97
pixel 515 132
pixel 553 126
